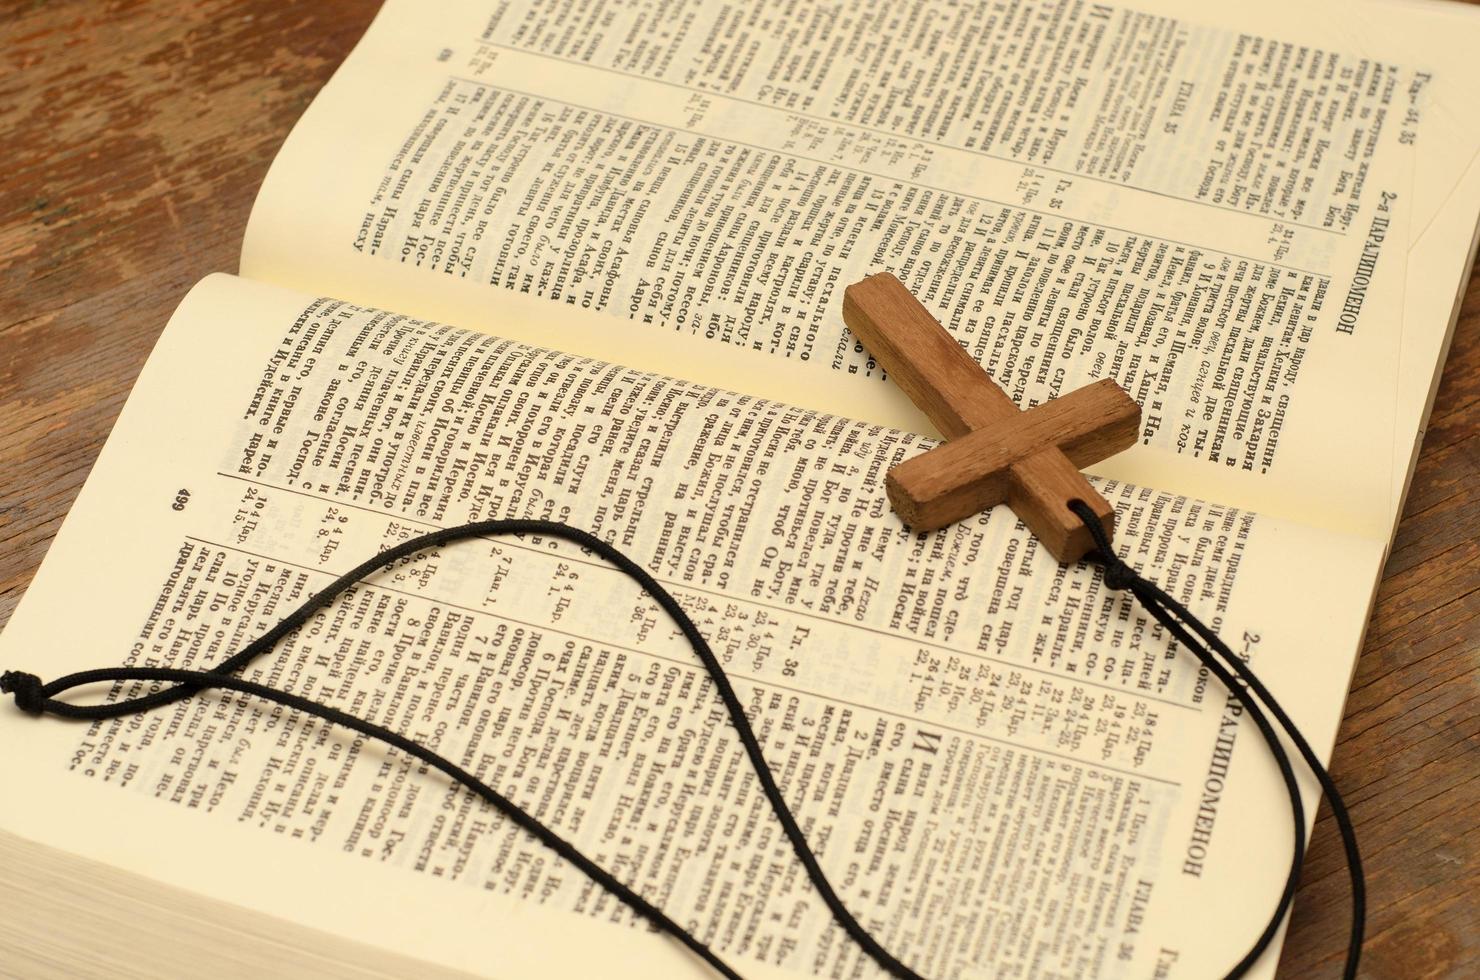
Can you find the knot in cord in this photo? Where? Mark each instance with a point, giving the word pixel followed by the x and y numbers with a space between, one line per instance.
pixel 27 690
pixel 1118 575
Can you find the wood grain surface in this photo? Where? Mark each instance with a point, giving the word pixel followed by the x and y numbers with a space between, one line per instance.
pixel 995 452
pixel 135 137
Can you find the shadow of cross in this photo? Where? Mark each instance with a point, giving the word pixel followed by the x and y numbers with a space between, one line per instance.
pixel 994 453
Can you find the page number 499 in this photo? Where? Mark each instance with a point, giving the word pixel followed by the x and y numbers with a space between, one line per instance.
pixel 181 498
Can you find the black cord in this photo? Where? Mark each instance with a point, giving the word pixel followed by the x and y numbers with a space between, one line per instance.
pixel 1177 619
pixel 35 697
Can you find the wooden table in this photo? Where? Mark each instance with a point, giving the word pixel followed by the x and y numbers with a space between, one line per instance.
pixel 135 140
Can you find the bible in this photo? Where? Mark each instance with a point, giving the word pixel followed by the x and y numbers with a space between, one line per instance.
pixel 584 262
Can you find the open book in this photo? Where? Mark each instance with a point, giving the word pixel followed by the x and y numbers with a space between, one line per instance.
pixel 638 220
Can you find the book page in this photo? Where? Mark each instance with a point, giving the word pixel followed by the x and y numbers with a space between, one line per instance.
pixel 1003 767
pixel 1216 218
pixel 1439 268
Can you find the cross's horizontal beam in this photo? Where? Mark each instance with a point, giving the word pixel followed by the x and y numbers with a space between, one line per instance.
pixel 970 473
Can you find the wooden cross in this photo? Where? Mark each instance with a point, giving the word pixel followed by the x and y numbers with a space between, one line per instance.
pixel 994 452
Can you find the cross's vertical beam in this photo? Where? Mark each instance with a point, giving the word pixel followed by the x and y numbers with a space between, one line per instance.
pixel 995 453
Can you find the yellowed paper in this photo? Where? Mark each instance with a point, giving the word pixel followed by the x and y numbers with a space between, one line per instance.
pixel 922 738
